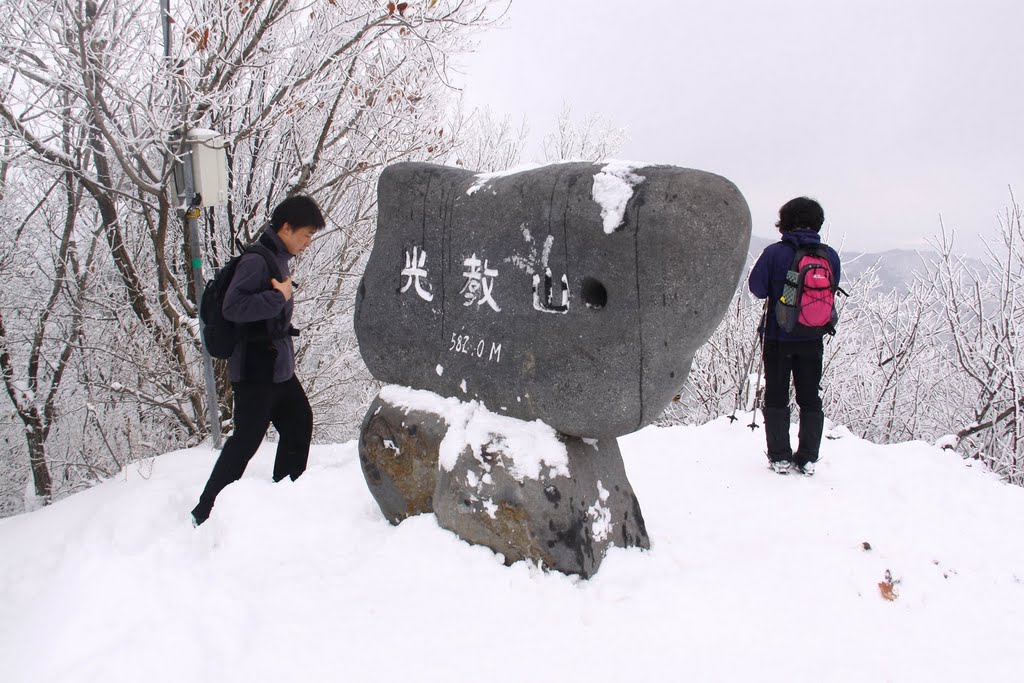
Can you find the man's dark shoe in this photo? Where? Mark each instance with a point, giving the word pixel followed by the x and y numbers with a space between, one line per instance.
pixel 199 515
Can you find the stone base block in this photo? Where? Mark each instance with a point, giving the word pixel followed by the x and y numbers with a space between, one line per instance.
pixel 560 522
pixel 398 453
pixel 563 513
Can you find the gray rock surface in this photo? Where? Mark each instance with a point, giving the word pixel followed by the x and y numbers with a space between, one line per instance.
pixel 398 453
pixel 566 523
pixel 510 290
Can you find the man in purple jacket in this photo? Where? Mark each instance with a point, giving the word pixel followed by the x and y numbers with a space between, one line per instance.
pixel 262 367
pixel 784 354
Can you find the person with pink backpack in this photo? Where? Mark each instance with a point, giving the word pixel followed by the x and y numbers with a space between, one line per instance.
pixel 799 277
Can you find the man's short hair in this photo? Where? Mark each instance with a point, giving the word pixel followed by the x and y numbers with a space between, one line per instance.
pixel 801 214
pixel 299 211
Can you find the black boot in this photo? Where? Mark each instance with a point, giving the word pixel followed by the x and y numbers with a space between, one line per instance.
pixel 812 423
pixel 201 513
pixel 776 430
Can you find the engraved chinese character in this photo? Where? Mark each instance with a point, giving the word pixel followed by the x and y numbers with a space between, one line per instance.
pixel 479 287
pixel 413 271
pixel 546 303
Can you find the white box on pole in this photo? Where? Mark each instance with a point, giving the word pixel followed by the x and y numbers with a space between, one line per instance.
pixel 209 166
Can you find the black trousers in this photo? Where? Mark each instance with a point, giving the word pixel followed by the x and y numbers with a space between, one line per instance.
pixel 257 406
pixel 801 361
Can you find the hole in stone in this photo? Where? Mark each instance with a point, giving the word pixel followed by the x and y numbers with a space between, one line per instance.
pixel 593 293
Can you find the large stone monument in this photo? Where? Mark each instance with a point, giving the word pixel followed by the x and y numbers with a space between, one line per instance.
pixel 575 295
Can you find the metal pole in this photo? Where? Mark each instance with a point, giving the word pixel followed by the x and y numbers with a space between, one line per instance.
pixel 199 284
pixel 165 11
pixel 192 213
pixel 763 327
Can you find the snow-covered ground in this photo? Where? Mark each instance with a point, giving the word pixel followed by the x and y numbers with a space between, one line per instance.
pixel 751 577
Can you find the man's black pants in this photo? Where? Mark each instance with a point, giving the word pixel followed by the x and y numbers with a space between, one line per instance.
pixel 257 406
pixel 802 361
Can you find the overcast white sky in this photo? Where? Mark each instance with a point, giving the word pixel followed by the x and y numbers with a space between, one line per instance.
pixel 889 113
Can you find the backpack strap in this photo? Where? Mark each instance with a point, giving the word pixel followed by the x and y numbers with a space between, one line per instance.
pixel 268 256
pixel 275 273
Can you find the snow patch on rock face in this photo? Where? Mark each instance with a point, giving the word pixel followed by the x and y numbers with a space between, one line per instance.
pixel 613 187
pixel 527 447
pixel 525 262
pixel 600 515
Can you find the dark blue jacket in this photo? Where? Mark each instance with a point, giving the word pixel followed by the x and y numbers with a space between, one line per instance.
pixel 251 298
pixel 769 274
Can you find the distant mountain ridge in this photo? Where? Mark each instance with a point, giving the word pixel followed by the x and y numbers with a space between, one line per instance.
pixel 896 267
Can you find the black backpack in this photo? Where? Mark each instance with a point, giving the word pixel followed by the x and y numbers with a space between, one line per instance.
pixel 220 335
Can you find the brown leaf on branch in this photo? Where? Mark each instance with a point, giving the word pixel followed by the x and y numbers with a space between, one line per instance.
pixel 391 9
pixel 199 37
pixel 402 6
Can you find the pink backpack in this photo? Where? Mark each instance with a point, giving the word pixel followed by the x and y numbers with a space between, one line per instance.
pixel 807 306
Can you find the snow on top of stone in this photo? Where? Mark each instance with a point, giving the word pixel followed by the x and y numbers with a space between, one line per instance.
pixel 451 410
pixel 484 178
pixel 613 186
pixel 527 447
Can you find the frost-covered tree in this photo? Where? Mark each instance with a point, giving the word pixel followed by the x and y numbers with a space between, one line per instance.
pixel 486 143
pixel 311 96
pixel 45 262
pixel 591 139
pixel 983 315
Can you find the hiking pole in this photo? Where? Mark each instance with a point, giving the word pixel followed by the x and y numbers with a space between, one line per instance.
pixel 760 365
